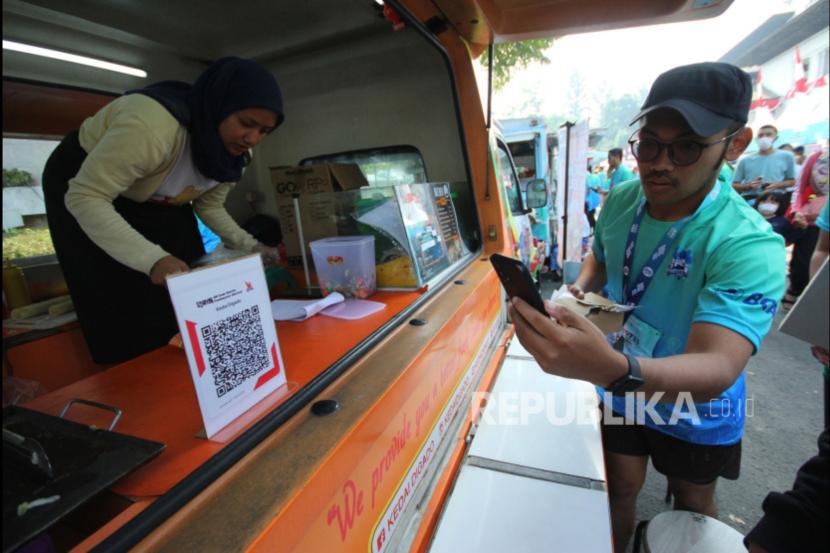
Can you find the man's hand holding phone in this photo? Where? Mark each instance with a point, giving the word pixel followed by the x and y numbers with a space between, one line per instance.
pixel 566 344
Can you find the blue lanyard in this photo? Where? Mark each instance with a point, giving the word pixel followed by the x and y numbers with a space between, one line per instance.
pixel 633 293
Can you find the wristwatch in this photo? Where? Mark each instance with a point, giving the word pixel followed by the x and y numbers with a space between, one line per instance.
pixel 630 381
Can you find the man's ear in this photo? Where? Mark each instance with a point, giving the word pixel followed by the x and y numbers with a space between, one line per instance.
pixel 738 144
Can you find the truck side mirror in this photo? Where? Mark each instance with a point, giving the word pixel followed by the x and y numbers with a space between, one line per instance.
pixel 536 193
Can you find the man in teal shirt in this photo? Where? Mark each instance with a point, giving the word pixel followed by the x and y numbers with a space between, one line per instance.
pixel 617 172
pixel 702 272
pixel 593 185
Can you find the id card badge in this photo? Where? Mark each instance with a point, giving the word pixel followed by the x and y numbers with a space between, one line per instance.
pixel 640 337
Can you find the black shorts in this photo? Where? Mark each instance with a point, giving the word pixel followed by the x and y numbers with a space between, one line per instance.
pixel 673 457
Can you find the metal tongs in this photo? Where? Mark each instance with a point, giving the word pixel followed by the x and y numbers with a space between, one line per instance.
pixel 30 450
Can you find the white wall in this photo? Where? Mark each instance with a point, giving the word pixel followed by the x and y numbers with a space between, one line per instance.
pixel 391 90
pixel 778 74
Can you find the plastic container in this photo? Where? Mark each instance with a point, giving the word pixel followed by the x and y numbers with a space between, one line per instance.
pixel 345 264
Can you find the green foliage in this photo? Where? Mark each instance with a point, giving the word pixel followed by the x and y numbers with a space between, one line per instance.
pixel 616 116
pixel 512 55
pixel 26 242
pixel 17 177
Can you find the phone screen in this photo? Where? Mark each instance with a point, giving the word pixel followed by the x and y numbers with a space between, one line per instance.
pixel 517 281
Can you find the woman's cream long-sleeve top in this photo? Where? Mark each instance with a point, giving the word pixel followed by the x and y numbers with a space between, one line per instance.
pixel 132 144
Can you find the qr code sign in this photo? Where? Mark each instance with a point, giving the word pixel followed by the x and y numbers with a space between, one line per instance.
pixel 236 349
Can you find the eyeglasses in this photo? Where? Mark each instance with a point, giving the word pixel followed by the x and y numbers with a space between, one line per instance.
pixel 682 152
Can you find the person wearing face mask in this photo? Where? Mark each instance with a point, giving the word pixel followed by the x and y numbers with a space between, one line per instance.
pixel 123 191
pixel 767 169
pixel 772 205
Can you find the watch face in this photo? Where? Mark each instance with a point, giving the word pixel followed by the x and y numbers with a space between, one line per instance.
pixel 630 384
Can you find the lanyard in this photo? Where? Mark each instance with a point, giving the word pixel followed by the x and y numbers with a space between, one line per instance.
pixel 633 293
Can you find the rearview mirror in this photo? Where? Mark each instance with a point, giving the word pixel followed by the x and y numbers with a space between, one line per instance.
pixel 536 193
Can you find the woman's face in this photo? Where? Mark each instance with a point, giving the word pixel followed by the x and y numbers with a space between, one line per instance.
pixel 244 129
pixel 768 207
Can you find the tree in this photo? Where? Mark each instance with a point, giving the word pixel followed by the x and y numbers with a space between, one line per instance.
pixel 17 177
pixel 577 99
pixel 616 116
pixel 512 55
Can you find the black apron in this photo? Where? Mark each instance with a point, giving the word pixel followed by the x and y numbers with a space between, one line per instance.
pixel 121 312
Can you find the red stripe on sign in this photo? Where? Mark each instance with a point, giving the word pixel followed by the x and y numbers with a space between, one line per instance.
pixel 194 343
pixel 273 372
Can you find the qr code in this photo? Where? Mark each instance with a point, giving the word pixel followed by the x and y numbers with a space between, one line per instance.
pixel 236 349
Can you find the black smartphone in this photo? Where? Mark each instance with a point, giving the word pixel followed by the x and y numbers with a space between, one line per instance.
pixel 517 281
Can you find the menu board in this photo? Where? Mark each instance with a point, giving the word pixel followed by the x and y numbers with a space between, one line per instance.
pixel 431 226
pixel 447 220
pixel 423 229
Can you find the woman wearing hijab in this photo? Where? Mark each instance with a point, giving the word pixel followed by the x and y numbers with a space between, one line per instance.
pixel 121 193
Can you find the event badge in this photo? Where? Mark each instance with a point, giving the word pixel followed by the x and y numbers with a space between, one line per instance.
pixel 640 337
pixel 224 316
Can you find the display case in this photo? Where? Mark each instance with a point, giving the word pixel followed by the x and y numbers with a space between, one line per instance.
pixel 415 229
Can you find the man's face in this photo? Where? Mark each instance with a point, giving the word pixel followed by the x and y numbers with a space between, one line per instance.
pixel 614 161
pixel 767 132
pixel 666 185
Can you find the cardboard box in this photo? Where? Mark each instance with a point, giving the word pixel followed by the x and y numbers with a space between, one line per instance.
pixel 317 214
pixel 601 311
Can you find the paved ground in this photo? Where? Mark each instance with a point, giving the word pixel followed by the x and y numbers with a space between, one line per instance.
pixel 784 388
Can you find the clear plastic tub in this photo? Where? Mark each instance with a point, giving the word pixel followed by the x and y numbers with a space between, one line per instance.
pixel 345 264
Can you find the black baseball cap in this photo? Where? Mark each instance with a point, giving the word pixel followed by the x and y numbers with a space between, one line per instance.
pixel 710 96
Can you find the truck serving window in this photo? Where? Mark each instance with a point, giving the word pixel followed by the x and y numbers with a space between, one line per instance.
pixel 524 156
pixel 386 166
pixel 396 165
pixel 25 232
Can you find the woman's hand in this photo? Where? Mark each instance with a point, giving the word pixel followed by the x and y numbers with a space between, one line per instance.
pixel 167 265
pixel 799 220
pixel 270 256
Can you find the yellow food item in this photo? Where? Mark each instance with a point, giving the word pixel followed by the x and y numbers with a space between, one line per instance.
pixel 398 273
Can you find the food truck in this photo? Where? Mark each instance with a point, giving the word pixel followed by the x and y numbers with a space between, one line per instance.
pixel 527 138
pixel 359 449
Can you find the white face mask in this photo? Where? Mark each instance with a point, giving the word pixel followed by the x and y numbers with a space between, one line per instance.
pixel 765 142
pixel 767 208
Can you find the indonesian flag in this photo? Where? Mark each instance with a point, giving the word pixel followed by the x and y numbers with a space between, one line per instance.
pixel 800 86
pixel 758 100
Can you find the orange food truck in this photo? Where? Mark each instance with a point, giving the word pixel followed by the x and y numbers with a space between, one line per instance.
pixel 359 451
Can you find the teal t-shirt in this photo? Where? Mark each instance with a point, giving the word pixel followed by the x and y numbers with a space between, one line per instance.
pixel 593 183
pixel 775 167
pixel 620 175
pixel 727 267
pixel 823 221
pixel 725 173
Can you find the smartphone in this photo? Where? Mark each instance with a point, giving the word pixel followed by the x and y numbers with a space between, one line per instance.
pixel 517 281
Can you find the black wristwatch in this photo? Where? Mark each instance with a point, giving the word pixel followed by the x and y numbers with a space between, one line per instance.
pixel 630 381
